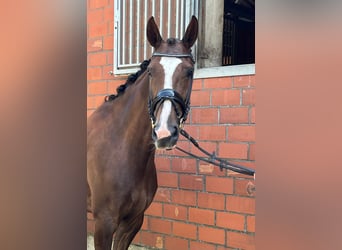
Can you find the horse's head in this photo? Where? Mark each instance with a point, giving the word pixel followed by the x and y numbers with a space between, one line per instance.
pixel 170 75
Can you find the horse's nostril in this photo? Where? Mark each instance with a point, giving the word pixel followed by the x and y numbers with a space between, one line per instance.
pixel 154 134
pixel 174 132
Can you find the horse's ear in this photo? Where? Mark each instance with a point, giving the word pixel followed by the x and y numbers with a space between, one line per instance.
pixel 191 33
pixel 152 32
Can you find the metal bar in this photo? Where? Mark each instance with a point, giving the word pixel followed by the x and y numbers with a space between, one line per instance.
pixel 123 34
pixel 145 23
pixel 116 58
pixel 169 18
pixel 187 12
pixel 161 14
pixel 177 19
pixel 181 30
pixel 138 32
pixel 130 30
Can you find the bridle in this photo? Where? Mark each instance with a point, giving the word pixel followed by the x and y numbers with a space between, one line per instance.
pixel 171 95
pixel 176 99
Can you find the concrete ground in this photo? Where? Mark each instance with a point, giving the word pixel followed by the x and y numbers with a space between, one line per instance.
pixel 90 244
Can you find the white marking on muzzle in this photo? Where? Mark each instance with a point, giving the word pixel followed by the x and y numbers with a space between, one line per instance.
pixel 169 65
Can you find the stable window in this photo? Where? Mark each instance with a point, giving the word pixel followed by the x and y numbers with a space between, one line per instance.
pixel 226 37
pixel 130 45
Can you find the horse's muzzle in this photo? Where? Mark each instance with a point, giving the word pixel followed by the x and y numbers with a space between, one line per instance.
pixel 165 140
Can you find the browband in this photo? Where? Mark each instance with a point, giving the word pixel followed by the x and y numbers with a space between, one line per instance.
pixel 175 55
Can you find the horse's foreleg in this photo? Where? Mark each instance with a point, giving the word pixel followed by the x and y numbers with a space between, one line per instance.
pixel 104 229
pixel 126 232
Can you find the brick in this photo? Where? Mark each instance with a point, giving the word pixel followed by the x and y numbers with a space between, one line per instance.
pixel 230 220
pixel 251 224
pixel 136 239
pixel 240 241
pixel 183 197
pixel 110 58
pixel 152 239
pixel 251 153
pixel 184 165
pixel 212 235
pixel 175 212
pixel 97 88
pixel 240 187
pixel 162 195
pixel 162 163
pixel 241 133
pixel 94 73
pixel 212 133
pixel 244 81
pixel 94 101
pixel 200 98
pixel 159 225
pixel 195 245
pixel 95 16
pixel 248 97
pixel 154 209
pixel 166 179
pixel 233 150
pixel 109 13
pixel 204 115
pixel 233 115
pixel 252 115
pixel 145 223
pixel 197 84
pixel 192 182
pixel 201 216
pixel 176 243
pixel 97 29
pixel 97 59
pixel 212 201
pixel 192 130
pixel 108 43
pixel 219 184
pixel 225 97
pixel 91 102
pixel 94 4
pixel 106 72
pixel 219 82
pixel 94 45
pixel 110 29
pixel 185 230
pixel 238 204
pixel 210 169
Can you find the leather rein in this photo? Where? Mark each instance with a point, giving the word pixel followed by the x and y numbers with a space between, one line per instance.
pixel 213 159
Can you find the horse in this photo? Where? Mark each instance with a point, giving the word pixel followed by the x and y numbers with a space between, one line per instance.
pixel 123 133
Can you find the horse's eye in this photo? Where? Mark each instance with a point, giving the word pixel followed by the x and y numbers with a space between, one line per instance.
pixel 190 72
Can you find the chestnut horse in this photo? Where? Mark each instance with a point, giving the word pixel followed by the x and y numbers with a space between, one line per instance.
pixel 121 144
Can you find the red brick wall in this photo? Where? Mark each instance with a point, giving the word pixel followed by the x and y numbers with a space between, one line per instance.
pixel 196 206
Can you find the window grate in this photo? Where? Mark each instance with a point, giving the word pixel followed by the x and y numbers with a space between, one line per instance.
pixel 131 16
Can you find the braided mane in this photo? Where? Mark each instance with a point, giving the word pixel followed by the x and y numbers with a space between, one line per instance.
pixel 130 80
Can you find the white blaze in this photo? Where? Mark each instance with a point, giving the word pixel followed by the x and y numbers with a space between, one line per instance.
pixel 169 65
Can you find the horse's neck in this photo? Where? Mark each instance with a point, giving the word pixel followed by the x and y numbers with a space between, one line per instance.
pixel 134 112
